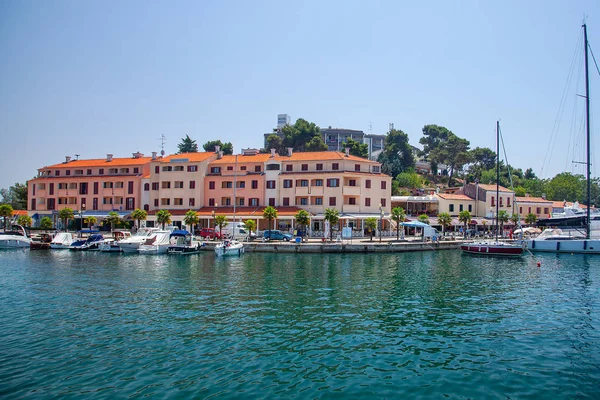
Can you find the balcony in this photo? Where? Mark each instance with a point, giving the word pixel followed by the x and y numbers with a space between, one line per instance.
pixel 352 190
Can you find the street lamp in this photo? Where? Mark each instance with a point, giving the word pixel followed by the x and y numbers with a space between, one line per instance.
pixel 81 215
pixel 380 221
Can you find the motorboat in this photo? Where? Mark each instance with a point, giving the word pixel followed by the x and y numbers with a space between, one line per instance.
pixel 555 240
pixel 41 241
pixel 15 238
pixel 132 244
pixel 229 248
pixel 110 245
pixel 88 239
pixel 183 242
pixel 158 243
pixel 62 240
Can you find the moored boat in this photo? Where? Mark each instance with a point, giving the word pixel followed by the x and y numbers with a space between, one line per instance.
pixel 132 244
pixel 229 248
pixel 110 245
pixel 183 242
pixel 15 238
pixel 156 244
pixel 62 240
pixel 41 241
pixel 88 239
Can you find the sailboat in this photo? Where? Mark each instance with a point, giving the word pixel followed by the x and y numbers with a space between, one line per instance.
pixel 556 240
pixel 494 247
pixel 231 247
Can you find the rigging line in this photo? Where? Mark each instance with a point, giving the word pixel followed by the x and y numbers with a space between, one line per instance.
pixel 594 58
pixel 512 187
pixel 561 106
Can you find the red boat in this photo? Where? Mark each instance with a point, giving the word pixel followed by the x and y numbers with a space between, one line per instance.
pixel 493 249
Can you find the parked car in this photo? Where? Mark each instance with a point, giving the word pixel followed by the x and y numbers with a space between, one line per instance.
pixel 210 233
pixel 277 235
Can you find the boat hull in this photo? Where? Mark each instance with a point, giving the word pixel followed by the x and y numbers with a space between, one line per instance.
pixel 183 250
pixel 153 249
pixel 483 249
pixel 225 251
pixel 575 246
pixel 15 242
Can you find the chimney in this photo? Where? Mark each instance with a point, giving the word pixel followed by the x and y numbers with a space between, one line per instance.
pixel 347 151
pixel 272 153
pixel 109 157
pixel 217 149
pixel 137 154
pixel 290 151
pixel 153 155
pixel 219 154
pixel 67 159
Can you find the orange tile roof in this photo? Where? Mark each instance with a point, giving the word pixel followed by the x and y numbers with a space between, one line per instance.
pixel 531 200
pixel 493 188
pixel 19 212
pixel 192 157
pixel 449 196
pixel 230 159
pixel 101 162
pixel 321 156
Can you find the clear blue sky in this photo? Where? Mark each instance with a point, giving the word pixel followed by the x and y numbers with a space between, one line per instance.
pixel 97 77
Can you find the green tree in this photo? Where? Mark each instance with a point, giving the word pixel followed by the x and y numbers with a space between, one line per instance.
pixel 424 218
pixel 220 222
pixel 226 148
pixel 302 136
pixel 303 219
pixel 250 225
pixel 502 219
pixel 433 137
pixel 333 216
pixel 270 213
pixel 46 223
pixel 397 154
pixel 566 186
pixel 24 220
pixel 445 220
pixel 16 196
pixel 316 144
pixel 515 219
pixel 357 148
pixel 113 219
pixel 465 217
pixel 6 211
pixel 163 217
pixel 398 216
pixel 190 219
pixel 454 153
pixel 90 221
pixel 529 174
pixel 530 219
pixel 371 224
pixel 65 215
pixel 409 179
pixel 187 145
pixel 139 215
pixel 275 142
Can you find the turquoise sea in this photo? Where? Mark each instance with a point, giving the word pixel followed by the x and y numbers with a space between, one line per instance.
pixel 413 325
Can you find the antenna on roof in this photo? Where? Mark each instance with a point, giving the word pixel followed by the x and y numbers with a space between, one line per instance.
pixel 77 155
pixel 391 126
pixel 162 139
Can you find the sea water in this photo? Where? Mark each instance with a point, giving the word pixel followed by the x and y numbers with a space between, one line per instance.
pixel 401 325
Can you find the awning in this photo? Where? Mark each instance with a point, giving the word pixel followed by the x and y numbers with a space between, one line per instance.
pixel 99 214
pixel 415 224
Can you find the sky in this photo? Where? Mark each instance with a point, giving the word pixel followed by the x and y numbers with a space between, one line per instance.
pixel 98 77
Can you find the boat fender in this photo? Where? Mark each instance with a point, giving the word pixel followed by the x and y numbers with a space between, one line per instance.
pixel 585 244
pixel 557 245
pixel 533 244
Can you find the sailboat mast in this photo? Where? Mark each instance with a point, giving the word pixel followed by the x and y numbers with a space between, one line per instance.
pixel 587 131
pixel 497 173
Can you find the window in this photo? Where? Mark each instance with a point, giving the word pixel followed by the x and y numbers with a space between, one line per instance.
pixel 273 167
pixel 211 185
pixel 68 172
pixel 270 184
pixel 33 204
pixel 332 201
pixel 167 168
pixel 211 202
pixel 113 170
pixel 165 202
pixel 318 182
pixel 546 210
pixel 192 168
pixel 101 171
pixel 520 210
pixel 178 184
pixel 166 185
pixel 124 171
pixel 460 208
pixel 352 182
pixel 130 187
pixel 192 202
pixel 243 168
pixel 375 169
pixel 241 185
pixel 357 167
pixel 319 167
pixel 304 167
pixel 383 202
pixel 352 201
pixel 508 202
pixel 470 208
pixel 146 187
pixel 136 170
pixel 303 201
pixel 286 201
pixel 178 168
pixel 529 212
pixel 215 170
pixel 83 188
pixel 368 184
pixel 302 182
pixel 335 166
pixel 226 201
pixel 156 171
pixel 500 200
pixel 538 210
pixel 89 171
pixel 367 202
pixel 272 202
pixel 257 168
pixel 230 168
pixel 57 173
pixel 383 185
pixel 105 185
pixel 52 204
pixel 155 202
pixel 147 207
pixel 333 182
pixel 254 184
pixel 240 201
pixel 226 185
pixel 289 168
pixel 155 186
pixel 130 205
pixel 287 183
pixel 318 201
pixel 72 186
pixel 254 202
pixel 177 201
pixel 451 207
pixel 493 201
pixel 192 184
pixel 78 172
pixel 107 200
pixel 118 185
pixel 118 200
pixel 95 188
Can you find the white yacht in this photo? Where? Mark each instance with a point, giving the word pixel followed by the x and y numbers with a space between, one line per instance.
pixel 17 237
pixel 132 244
pixel 158 243
pixel 62 240
pixel 229 248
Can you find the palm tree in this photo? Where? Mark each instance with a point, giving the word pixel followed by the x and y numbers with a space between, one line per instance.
pixel 398 215
pixel 139 215
pixel 250 225
pixel 303 219
pixel 530 218
pixel 6 211
pixel 502 219
pixel 333 216
pixel 163 217
pixel 24 220
pixel 465 217
pixel 270 213
pixel 113 219
pixel 445 220
pixel 515 219
pixel 371 224
pixel 221 221
pixel 65 215
pixel 46 223
pixel 191 219
pixel 91 221
pixel 423 218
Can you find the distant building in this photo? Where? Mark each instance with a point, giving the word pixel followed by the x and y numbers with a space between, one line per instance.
pixel 282 120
